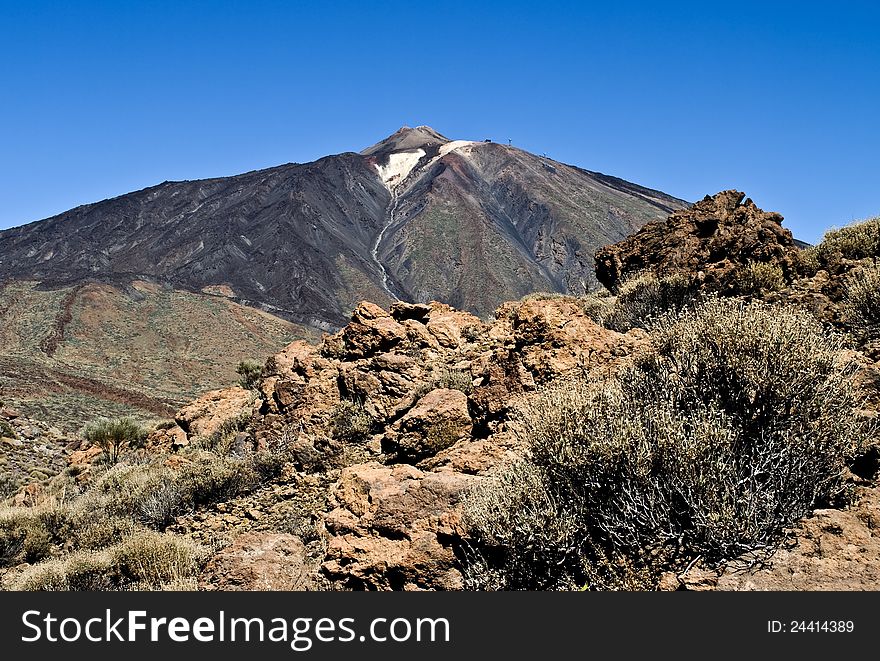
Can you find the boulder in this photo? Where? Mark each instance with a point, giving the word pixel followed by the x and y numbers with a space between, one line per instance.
pixel 259 561
pixel 205 415
pixel 370 331
pixel 436 422
pixel 393 528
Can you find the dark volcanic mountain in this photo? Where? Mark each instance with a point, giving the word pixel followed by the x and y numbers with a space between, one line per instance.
pixel 416 217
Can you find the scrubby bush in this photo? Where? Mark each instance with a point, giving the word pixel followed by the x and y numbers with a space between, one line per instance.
pixel 8 485
pixel 249 372
pixel 758 277
pixel 734 425
pixel 598 305
pixel 114 436
pixel 153 559
pixel 857 241
pixel 6 430
pixel 862 301
pixel 144 560
pixel 644 297
pixel 807 261
pixel 350 422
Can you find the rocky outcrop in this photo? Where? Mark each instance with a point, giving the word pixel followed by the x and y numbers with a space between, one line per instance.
pixel 712 240
pixel 439 386
pixel 437 421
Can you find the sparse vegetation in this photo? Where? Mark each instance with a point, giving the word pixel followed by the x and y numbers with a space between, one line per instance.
pixel 736 423
pixel 758 277
pixel 249 373
pixel 115 436
pixel 454 379
pixel 645 297
pixel 350 422
pixel 857 241
pixel 862 301
pixel 6 430
pixel 222 439
pixel 145 560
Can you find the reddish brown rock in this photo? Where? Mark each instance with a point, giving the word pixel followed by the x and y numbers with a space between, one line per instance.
pixel 831 550
pixel 84 457
pixel 392 528
pixel 7 413
pixel 205 415
pixel 371 330
pixel 259 561
pixel 712 239
pixel 437 421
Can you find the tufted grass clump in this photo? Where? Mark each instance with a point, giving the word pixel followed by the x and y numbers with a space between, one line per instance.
pixel 736 423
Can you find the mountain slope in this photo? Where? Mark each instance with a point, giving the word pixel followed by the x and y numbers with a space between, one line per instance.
pixel 79 352
pixel 416 217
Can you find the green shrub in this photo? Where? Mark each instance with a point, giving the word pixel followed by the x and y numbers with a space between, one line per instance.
pixel 737 422
pixel 7 430
pixel 114 436
pixel 350 422
pixel 758 277
pixel 249 373
pixel 857 241
pixel 861 302
pixel 644 297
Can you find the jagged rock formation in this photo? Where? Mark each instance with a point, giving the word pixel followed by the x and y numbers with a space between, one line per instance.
pixel 438 386
pixel 713 239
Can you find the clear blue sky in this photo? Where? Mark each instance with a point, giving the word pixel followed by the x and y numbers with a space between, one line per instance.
pixel 781 100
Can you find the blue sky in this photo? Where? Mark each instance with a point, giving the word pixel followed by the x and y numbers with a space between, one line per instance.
pixel 780 100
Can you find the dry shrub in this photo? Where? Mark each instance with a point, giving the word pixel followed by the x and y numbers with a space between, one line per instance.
pixel 145 560
pixel 758 277
pixel 454 379
pixel 736 423
pixel 350 422
pixel 857 241
pixel 862 300
pixel 154 559
pixel 7 430
pixel 644 297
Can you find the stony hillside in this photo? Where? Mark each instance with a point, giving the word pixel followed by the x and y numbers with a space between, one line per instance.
pixel 71 354
pixel 373 460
